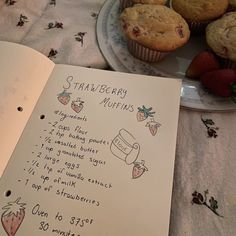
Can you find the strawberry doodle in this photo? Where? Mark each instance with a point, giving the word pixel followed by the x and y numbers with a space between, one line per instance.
pixel 64 97
pixel 13 216
pixel 153 126
pixel 138 169
pixel 143 113
pixel 77 105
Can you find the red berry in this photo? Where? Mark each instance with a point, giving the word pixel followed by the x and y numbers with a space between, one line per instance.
pixel 219 81
pixel 203 62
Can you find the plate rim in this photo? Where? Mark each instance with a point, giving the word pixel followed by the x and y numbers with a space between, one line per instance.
pixel 102 35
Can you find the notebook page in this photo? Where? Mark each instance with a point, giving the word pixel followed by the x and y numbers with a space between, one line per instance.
pixel 96 157
pixel 24 73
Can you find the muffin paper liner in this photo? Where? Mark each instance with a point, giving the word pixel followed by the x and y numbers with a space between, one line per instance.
pixel 143 53
pixel 227 63
pixel 197 27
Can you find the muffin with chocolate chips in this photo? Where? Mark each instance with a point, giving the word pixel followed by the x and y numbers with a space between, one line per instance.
pixel 198 13
pixel 221 38
pixel 130 3
pixel 153 31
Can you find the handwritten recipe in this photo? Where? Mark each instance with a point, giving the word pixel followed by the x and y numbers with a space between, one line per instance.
pixel 95 158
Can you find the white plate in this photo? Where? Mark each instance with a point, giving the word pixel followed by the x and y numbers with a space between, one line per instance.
pixel 113 46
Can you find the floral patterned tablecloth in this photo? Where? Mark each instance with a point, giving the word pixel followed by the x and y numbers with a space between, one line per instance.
pixel 204 190
pixel 62 30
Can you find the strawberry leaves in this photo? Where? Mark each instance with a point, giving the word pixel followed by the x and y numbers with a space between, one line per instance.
pixel 12 217
pixel 144 113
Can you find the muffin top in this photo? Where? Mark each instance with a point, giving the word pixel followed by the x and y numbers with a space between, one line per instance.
pixel 161 2
pixel 155 26
pixel 221 36
pixel 200 10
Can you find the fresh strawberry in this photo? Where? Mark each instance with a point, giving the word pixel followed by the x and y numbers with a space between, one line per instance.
pixel 13 216
pixel 203 62
pixel 220 82
pixel 143 113
pixel 138 169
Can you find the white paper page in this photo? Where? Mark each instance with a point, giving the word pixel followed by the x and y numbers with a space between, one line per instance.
pixel 24 73
pixel 96 157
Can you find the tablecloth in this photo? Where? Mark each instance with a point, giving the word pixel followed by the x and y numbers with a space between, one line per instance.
pixel 204 192
pixel 204 189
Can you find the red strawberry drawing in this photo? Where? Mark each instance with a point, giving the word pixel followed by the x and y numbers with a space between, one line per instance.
pixel 77 105
pixel 138 169
pixel 143 113
pixel 64 97
pixel 153 126
pixel 13 216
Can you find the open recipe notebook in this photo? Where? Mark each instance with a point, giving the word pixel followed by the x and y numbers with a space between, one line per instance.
pixel 83 151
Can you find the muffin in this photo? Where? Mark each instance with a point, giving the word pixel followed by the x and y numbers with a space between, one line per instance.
pixel 153 31
pixel 198 13
pixel 221 38
pixel 232 5
pixel 130 3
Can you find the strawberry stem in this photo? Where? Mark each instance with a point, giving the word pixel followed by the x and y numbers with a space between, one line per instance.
pixel 146 111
